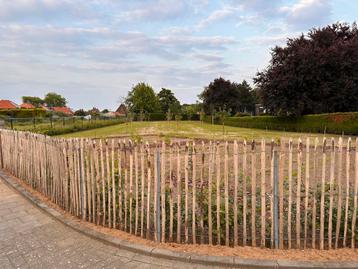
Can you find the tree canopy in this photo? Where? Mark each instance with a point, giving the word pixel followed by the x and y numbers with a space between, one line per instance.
pixel 167 100
pixel 142 98
pixel 313 73
pixel 53 99
pixel 33 100
pixel 224 94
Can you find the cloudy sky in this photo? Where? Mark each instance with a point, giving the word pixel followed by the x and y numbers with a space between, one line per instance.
pixel 94 51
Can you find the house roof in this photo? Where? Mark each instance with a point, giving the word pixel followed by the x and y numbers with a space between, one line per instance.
pixel 122 109
pixel 44 107
pixel 63 109
pixel 7 104
pixel 27 105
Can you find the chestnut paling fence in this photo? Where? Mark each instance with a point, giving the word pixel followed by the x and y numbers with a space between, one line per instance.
pixel 278 194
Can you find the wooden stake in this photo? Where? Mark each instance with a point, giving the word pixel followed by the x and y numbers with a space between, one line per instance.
pixel 331 190
pixel 136 189
pixel 202 191
pixel 226 186
pixel 178 196
pixel 186 217
pixel 114 191
pixel 130 186
pixel 298 194
pixel 210 186
pixel 194 193
pixel 307 189
pixel 348 163
pixel 263 193
pixel 218 206
pixel 354 217
pixel 103 184
pixel 162 191
pixel 314 207
pixel 109 195
pixel 339 183
pixel 142 189
pixel 149 178
pixel 244 194
pixel 171 193
pixel 236 181
pixel 323 183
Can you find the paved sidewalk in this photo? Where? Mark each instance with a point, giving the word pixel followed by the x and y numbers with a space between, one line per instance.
pixel 31 239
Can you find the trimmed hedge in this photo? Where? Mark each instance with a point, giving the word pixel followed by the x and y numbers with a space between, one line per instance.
pixel 23 113
pixel 44 127
pixel 334 123
pixel 162 116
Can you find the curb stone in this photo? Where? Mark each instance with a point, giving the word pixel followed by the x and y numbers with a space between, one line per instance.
pixel 221 261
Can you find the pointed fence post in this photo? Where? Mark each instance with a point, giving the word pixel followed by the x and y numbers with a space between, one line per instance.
pixel 158 220
pixel 275 213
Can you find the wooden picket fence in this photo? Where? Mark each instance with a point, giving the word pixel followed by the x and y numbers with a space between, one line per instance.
pixel 277 194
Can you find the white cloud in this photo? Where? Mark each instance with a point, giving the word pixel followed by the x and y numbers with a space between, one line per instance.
pixel 307 13
pixel 218 15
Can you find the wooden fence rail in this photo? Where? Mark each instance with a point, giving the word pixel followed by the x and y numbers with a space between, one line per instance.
pixel 207 192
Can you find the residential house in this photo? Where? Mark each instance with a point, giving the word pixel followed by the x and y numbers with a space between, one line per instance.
pixel 122 110
pixel 7 105
pixel 64 110
pixel 27 106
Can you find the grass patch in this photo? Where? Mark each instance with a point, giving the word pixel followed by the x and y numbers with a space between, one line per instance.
pixel 186 129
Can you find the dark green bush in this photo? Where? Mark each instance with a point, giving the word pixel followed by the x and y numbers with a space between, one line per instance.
pixel 334 123
pixel 157 116
pixel 191 117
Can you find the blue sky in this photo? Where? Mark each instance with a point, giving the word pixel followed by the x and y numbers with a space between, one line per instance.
pixel 93 52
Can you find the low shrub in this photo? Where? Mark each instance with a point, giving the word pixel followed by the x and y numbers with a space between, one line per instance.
pixel 334 123
pixel 23 113
pixel 157 116
pixel 242 114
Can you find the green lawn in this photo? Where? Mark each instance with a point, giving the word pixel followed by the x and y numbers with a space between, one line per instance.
pixel 186 129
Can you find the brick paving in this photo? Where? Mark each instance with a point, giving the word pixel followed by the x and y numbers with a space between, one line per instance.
pixel 31 239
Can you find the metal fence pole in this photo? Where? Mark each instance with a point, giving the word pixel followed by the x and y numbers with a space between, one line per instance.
pixel 158 220
pixel 275 212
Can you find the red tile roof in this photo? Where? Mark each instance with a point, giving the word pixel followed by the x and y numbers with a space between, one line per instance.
pixel 63 109
pixel 7 104
pixel 27 105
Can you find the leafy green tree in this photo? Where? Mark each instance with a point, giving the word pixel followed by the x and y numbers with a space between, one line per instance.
pixel 169 115
pixel 105 110
pixel 190 109
pixel 80 112
pixel 141 115
pixel 33 100
pixel 202 116
pixel 314 73
pixel 167 100
pixel 246 97
pixel 53 99
pixel 142 98
pixel 223 114
pixel 94 112
pixel 178 118
pixel 224 93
